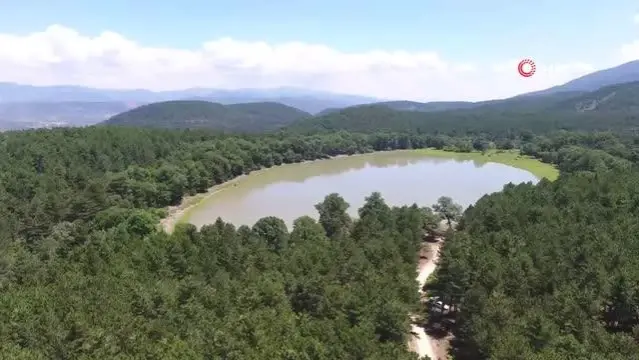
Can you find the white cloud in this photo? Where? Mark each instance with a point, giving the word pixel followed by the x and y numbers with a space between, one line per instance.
pixel 60 55
pixel 630 51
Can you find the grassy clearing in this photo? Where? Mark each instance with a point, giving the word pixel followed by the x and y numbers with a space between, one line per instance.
pixel 511 158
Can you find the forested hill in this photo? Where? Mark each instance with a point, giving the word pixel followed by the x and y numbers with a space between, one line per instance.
pixel 623 98
pixel 373 118
pixel 614 98
pixel 412 106
pixel 193 114
pixel 627 72
pixel 614 108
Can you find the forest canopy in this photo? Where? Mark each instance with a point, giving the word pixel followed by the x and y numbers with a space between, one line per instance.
pixel 534 273
pixel 548 271
pixel 196 114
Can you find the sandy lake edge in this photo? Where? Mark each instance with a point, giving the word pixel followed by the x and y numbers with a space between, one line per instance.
pixel 177 213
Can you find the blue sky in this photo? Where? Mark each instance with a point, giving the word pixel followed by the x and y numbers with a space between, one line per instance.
pixel 489 31
pixel 562 29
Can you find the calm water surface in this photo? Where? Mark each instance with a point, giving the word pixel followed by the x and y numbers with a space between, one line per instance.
pixel 403 178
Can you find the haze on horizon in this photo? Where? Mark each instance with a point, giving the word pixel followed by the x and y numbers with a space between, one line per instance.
pixel 423 51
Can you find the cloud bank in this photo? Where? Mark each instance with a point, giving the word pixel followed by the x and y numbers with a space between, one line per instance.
pixel 60 55
pixel 630 51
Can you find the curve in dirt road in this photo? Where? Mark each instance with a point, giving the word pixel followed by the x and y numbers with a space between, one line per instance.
pixel 422 343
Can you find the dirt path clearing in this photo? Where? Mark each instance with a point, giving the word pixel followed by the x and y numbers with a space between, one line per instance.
pixel 422 343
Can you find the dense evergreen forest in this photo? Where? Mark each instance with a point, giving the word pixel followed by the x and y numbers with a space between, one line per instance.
pixel 197 114
pixel 495 123
pixel 548 271
pixel 611 108
pixel 534 273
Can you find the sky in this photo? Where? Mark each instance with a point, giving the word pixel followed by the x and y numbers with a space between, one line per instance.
pixel 404 49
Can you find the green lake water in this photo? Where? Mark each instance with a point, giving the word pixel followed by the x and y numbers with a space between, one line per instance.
pixel 402 177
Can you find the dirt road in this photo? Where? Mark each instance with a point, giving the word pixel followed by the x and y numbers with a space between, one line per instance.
pixel 421 343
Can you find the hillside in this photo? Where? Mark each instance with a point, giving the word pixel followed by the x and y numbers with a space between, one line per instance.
pixel 309 104
pixel 374 118
pixel 615 98
pixel 527 103
pixel 307 100
pixel 428 106
pixel 616 108
pixel 26 106
pixel 628 72
pixel 517 103
pixel 193 114
pixel 533 101
pixel 273 114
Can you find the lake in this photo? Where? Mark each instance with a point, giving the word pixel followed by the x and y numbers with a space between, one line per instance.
pixel 402 177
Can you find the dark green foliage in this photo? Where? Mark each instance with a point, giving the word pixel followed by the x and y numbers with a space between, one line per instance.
pixel 210 295
pixel 613 108
pixel 448 209
pixel 84 272
pixel 333 217
pixel 194 114
pixel 615 98
pixel 412 106
pixel 535 272
pixel 98 175
pixel 548 271
pixel 485 122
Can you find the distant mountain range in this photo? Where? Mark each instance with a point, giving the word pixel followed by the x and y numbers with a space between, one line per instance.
pixel 310 101
pixel 618 97
pixel 615 106
pixel 628 72
pixel 625 73
pixel 18 115
pixel 24 106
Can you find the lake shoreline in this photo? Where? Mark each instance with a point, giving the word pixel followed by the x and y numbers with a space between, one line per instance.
pixel 177 213
pixel 505 157
pixel 190 202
